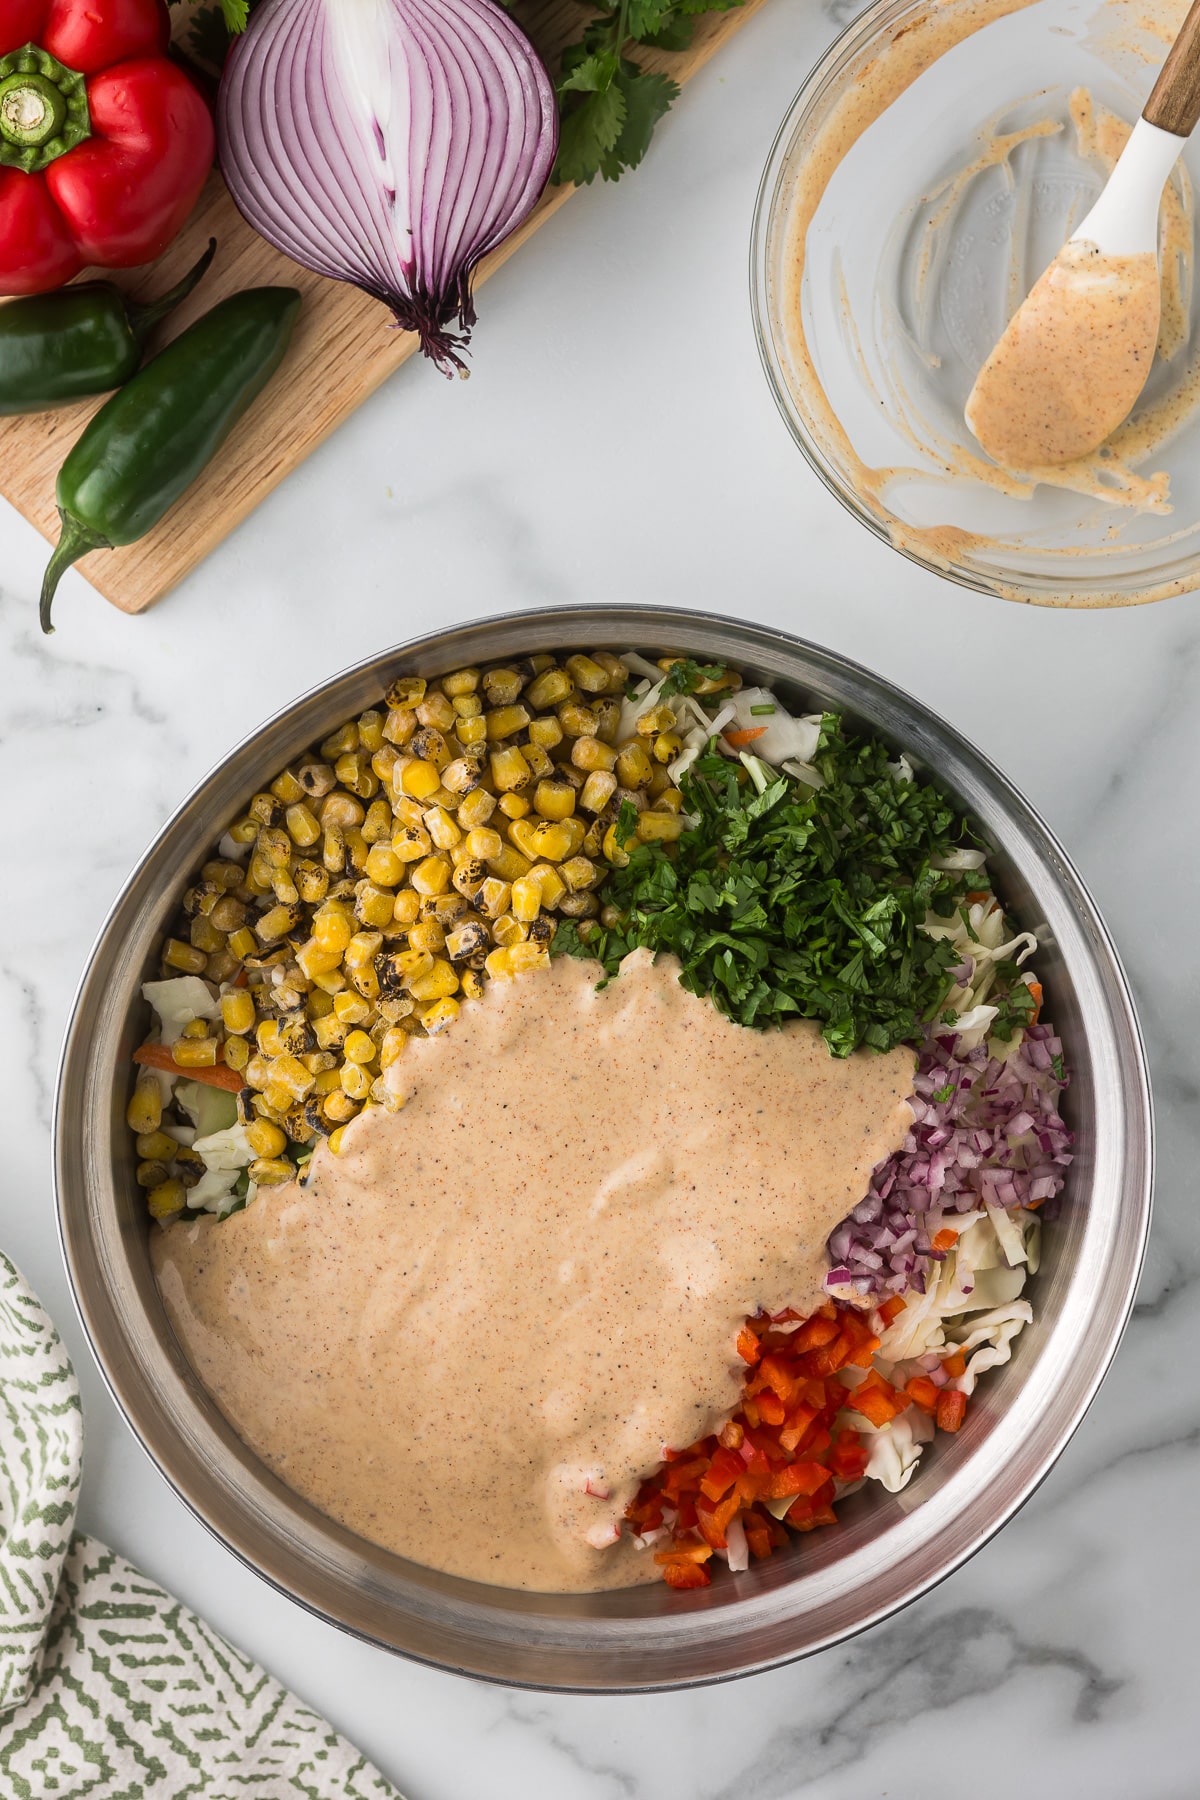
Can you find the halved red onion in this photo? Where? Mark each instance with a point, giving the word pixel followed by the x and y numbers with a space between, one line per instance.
pixel 390 144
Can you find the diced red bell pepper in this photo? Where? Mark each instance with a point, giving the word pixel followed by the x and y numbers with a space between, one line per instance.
pixel 714 1520
pixel 951 1409
pixel 686 1575
pixel 799 1478
pixel 878 1402
pixel 819 1330
pixel 721 1474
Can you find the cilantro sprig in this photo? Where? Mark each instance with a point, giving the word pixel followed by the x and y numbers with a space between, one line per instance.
pixel 609 104
pixel 795 902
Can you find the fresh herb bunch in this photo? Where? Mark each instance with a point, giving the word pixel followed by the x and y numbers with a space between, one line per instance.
pixel 794 901
pixel 609 105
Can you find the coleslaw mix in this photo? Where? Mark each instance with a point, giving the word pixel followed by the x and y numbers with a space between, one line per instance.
pixel 928 1273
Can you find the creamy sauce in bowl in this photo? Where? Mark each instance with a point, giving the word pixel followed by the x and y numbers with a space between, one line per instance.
pixel 470 1335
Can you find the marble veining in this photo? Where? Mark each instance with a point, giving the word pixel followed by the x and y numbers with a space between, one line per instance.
pixel 616 441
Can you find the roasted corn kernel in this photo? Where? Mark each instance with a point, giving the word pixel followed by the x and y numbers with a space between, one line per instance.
pixel 510 771
pixel 144 1111
pixel 547 734
pixel 554 799
pixel 166 1199
pixel 356 1082
pixel 443 1012
pixel 504 722
pixel 185 957
pixel 271 1171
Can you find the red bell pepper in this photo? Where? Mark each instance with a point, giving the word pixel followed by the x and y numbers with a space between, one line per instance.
pixel 104 143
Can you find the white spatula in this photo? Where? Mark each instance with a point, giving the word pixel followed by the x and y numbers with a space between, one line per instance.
pixel 1055 387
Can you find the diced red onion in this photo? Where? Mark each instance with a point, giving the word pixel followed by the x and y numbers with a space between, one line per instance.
pixel 999 1136
pixel 390 144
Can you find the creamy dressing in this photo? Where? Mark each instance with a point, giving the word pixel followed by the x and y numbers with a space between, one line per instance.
pixel 1072 361
pixel 472 1333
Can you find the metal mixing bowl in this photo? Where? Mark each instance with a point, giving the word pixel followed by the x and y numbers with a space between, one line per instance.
pixel 888 1549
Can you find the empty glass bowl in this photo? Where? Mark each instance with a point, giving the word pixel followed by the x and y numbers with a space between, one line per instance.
pixel 926 173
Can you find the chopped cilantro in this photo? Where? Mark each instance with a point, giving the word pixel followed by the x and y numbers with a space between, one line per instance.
pixel 1016 1004
pixel 793 901
pixel 685 676
pixel 626 825
pixel 943 1094
pixel 1057 1069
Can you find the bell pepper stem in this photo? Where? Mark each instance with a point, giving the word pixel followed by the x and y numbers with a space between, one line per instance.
pixel 143 319
pixel 75 541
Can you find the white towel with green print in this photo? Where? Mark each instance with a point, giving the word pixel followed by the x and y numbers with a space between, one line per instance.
pixel 109 1688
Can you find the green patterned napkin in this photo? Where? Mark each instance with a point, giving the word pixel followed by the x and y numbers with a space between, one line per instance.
pixel 109 1688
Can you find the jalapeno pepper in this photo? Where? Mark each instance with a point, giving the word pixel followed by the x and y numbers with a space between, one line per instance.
pixel 78 340
pixel 147 444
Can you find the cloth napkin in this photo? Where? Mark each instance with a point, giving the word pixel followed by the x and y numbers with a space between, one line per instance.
pixel 110 1689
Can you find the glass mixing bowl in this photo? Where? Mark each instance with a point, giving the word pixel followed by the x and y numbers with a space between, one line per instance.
pixel 889 251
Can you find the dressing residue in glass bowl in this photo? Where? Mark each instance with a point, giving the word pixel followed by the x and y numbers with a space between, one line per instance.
pixel 873 336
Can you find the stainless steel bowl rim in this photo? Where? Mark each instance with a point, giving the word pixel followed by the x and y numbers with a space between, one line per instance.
pixel 646 1638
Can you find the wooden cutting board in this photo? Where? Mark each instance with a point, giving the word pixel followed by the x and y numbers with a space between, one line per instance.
pixel 342 350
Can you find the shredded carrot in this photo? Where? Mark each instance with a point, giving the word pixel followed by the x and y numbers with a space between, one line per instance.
pixel 924 1392
pixel 891 1309
pixel 955 1365
pixel 1035 988
pixel 945 1239
pixel 738 738
pixel 158 1056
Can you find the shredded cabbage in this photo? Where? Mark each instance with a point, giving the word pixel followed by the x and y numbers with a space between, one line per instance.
pixel 225 1153
pixel 894 1450
pixel 211 1109
pixel 177 1001
pixel 973 1307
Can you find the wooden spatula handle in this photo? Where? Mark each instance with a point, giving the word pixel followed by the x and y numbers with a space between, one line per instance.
pixel 1174 104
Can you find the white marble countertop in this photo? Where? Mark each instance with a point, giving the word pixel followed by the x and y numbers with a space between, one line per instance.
pixel 617 442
